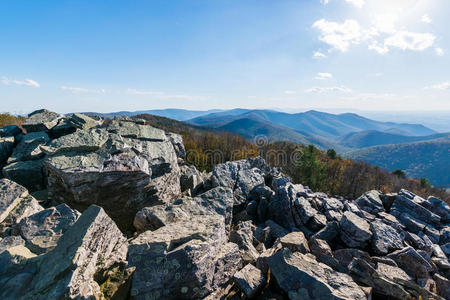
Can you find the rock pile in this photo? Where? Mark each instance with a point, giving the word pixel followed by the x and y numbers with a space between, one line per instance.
pixel 242 231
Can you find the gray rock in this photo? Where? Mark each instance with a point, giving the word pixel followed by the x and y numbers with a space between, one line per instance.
pixel 250 280
pixel 28 173
pixel 355 231
pixel 26 207
pixel 243 237
pixel 329 233
pixel 366 274
pixel 345 256
pixel 10 131
pixel 191 179
pixel 403 204
pixel 41 120
pixel 10 241
pixel 323 254
pixel 445 235
pixel 442 285
pixel 217 201
pixel 11 194
pixel 70 270
pixel 440 208
pixel 302 277
pixel 135 168
pixel 371 202
pixel 241 176
pixel 6 148
pixel 179 260
pixel 446 249
pixel 275 230
pixel 41 231
pixel 81 121
pixel 29 147
pixel 385 239
pixel 432 233
pixel 295 241
pixel 411 262
pixel 440 259
pixel 177 142
pixel 411 224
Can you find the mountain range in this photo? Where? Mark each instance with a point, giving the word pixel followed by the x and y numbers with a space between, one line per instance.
pixel 389 145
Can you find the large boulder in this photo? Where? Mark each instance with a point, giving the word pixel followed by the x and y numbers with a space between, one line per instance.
pixel 250 280
pixel 385 238
pixel 29 147
pixel 241 176
pixel 123 167
pixel 41 120
pixel 440 208
pixel 217 201
pixel 355 231
pixel 370 202
pixel 242 235
pixel 29 173
pixel 412 262
pixel 183 259
pixel 6 148
pixel 302 277
pixel 90 248
pixel 41 231
pixel 408 203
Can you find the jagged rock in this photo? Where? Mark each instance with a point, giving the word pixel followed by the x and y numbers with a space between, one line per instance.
pixel 250 280
pixel 383 260
pixel 29 147
pixel 295 241
pixel 302 277
pixel 445 235
pixel 26 207
pixel 134 166
pixel 28 173
pixel 10 241
pixel 355 231
pixel 329 233
pixel 41 120
pixel 404 204
pixel 366 274
pixel 385 238
pixel 11 194
pixel 411 262
pixel 440 259
pixel 440 208
pixel 10 131
pixel 345 256
pixel 177 142
pixel 281 205
pixel 243 237
pixel 442 285
pixel 179 260
pixel 41 231
pixel 241 176
pixel 432 233
pixel 6 148
pixel 323 253
pixel 275 231
pixel 371 202
pixel 446 249
pixel 217 201
pixel 191 179
pixel 261 195
pixel 92 245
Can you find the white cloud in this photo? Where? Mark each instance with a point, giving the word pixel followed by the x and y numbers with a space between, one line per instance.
pixel 339 35
pixel 83 90
pixel 439 51
pixel 26 82
pixel 324 2
pixel 357 3
pixel 318 54
pixel 289 92
pixel 384 23
pixel 320 89
pixel 406 40
pixel 161 95
pixel 440 86
pixel 324 76
pixel 426 19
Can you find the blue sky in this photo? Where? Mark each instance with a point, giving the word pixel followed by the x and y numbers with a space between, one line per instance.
pixel 133 55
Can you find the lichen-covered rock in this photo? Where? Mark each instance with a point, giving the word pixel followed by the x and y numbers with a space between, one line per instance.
pixel 243 237
pixel 302 277
pixel 355 231
pixel 123 167
pixel 404 203
pixel 26 207
pixel 93 244
pixel 371 202
pixel 29 173
pixel 10 241
pixel 179 260
pixel 11 194
pixel 250 280
pixel 29 147
pixel 385 238
pixel 6 148
pixel 295 241
pixel 412 262
pixel 41 120
pixel 241 176
pixel 41 231
pixel 217 201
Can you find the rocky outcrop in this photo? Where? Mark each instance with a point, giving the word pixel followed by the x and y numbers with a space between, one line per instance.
pixel 242 231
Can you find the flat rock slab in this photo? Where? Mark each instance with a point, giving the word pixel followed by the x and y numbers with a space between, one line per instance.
pixel 355 231
pixel 11 194
pixel 250 280
pixel 41 120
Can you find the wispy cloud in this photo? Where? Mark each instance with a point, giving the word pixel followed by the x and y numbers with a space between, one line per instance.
pixel 320 89
pixel 323 76
pixel 26 82
pixel 161 95
pixel 339 35
pixel 440 86
pixel 83 90
pixel 426 19
pixel 439 51
pixel 318 54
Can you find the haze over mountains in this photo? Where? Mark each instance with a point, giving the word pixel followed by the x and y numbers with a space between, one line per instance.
pixel 414 148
